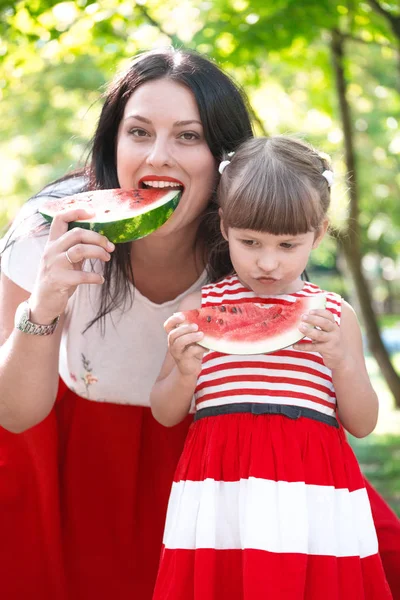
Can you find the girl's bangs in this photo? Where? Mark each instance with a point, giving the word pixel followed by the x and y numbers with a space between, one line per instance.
pixel 273 204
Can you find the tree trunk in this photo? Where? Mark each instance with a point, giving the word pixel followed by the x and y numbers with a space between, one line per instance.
pixel 350 240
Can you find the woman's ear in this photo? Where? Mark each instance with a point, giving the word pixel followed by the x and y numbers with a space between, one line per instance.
pixel 221 224
pixel 320 233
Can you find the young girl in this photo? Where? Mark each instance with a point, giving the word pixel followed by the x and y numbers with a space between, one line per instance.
pixel 268 500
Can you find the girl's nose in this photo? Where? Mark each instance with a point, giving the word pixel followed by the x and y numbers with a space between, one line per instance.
pixel 160 154
pixel 267 262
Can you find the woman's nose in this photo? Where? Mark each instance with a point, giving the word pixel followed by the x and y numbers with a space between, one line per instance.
pixel 160 154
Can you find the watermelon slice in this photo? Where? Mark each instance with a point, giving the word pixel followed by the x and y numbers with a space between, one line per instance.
pixel 250 328
pixel 121 215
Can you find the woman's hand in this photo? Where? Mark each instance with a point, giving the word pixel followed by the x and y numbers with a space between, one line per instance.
pixel 319 325
pixel 60 271
pixel 183 345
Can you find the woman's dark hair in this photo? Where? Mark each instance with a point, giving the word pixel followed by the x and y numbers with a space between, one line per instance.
pixel 225 118
pixel 224 114
pixel 274 185
pixel 222 105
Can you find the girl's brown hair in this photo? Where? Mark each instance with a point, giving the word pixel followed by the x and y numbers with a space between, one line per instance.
pixel 273 185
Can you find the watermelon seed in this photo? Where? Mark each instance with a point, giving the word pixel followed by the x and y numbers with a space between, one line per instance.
pixel 277 312
pixel 234 309
pixel 208 319
pixel 220 321
pixel 222 308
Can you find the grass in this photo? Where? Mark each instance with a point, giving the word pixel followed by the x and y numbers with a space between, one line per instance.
pixel 389 320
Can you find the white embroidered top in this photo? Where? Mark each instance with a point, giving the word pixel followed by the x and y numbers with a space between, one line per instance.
pixel 120 367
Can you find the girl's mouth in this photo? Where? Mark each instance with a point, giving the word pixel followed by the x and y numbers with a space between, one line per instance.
pixel 154 181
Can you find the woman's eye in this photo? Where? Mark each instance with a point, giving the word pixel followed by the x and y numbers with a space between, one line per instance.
pixel 137 132
pixel 189 135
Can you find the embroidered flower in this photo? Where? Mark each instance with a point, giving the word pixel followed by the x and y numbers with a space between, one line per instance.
pixel 88 378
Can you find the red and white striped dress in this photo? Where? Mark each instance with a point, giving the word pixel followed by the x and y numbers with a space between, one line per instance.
pixel 264 506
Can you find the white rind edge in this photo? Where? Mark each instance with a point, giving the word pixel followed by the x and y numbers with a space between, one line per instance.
pixel 318 301
pixel 119 215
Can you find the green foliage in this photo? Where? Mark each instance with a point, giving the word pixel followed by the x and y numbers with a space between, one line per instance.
pixel 379 458
pixel 56 58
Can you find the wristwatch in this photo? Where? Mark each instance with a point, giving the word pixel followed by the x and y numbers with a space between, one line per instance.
pixel 23 323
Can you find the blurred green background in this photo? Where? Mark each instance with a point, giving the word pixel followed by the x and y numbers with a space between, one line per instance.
pixel 328 71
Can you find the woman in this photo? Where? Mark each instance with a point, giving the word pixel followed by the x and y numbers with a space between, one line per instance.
pixel 169 117
pixel 83 492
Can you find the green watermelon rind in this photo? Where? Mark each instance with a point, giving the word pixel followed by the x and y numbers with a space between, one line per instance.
pixel 267 345
pixel 131 228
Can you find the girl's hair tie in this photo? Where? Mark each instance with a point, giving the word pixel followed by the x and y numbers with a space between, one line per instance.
pixel 222 165
pixel 225 163
pixel 328 175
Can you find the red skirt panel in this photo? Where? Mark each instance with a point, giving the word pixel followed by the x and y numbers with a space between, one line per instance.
pixel 243 574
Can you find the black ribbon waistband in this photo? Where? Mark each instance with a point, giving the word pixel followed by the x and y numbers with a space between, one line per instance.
pixel 259 408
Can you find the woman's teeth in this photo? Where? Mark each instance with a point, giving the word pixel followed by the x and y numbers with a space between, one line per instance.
pixel 161 184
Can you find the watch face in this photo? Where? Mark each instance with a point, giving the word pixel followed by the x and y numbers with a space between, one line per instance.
pixel 22 314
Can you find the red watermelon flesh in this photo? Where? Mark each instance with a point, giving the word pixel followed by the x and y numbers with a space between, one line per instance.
pixel 252 328
pixel 120 215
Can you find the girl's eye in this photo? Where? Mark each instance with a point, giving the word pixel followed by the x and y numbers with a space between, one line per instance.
pixel 287 246
pixel 137 132
pixel 189 136
pixel 248 242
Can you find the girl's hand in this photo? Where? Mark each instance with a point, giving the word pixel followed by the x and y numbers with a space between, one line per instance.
pixel 183 346
pixel 58 278
pixel 320 327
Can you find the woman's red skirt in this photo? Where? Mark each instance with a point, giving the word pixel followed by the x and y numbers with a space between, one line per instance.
pixel 83 498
